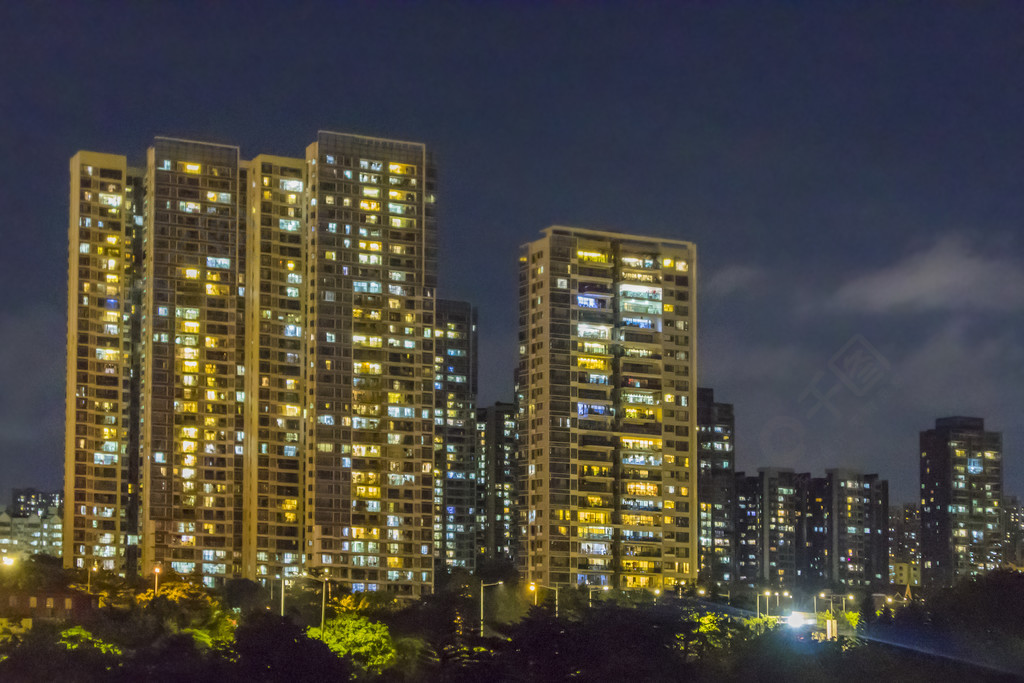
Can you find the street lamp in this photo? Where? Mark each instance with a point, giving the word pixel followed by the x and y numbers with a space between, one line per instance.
pixel 482 587
pixel 323 599
pixel 819 595
pixel 701 592
pixel 156 581
pixel 88 581
pixel 850 596
pixel 282 592
pixel 767 594
pixel 535 586
pixel 590 596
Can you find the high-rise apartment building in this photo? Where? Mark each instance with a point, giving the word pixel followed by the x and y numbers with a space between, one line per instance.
pixel 101 470
pixel 716 487
pixel 782 506
pixel 192 359
pixel 25 502
pixel 496 452
pixel 457 484
pixel 372 274
pixel 1013 529
pixel 251 362
pixel 607 369
pixel 748 529
pixel 857 529
pixel 961 497
pixel 905 545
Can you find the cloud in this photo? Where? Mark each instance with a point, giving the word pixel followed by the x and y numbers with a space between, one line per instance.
pixel 949 275
pixel 729 279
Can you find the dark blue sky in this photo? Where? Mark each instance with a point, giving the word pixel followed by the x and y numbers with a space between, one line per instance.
pixel 852 176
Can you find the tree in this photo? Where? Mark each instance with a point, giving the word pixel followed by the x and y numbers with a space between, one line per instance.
pixel 271 648
pixel 367 643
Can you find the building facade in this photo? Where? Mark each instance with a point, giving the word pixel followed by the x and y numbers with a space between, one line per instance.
pixel 782 506
pixel 33 534
pixel 716 487
pixel 961 498
pixel 496 452
pixel 748 530
pixel 857 529
pixel 606 374
pixel 905 545
pixel 101 469
pixel 457 495
pixel 251 363
pixel 25 502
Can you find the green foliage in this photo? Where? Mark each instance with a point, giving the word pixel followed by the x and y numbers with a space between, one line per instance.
pixel 76 637
pixel 852 618
pixel 269 647
pixel 367 643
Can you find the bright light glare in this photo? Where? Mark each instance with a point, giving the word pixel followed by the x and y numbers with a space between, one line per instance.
pixel 8 561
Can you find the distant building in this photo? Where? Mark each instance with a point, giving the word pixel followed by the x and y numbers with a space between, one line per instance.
pixel 496 452
pixel 748 529
pixel 857 529
pixel 35 534
pixel 1013 528
pixel 716 487
pixel 906 574
pixel 905 545
pixel 456 485
pixel 781 495
pixel 961 495
pixel 25 502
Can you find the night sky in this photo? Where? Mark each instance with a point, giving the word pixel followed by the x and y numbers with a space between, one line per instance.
pixel 853 178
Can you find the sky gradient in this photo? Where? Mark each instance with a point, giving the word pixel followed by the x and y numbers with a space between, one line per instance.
pixel 852 177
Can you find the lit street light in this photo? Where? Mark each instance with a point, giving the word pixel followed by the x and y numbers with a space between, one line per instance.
pixel 767 595
pixel 482 587
pixel 88 579
pixel 535 586
pixel 590 596
pixel 323 599
pixel 156 581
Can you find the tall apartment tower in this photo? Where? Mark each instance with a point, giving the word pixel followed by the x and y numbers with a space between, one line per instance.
pixel 961 497
pixel 101 475
pixel 251 363
pixel 857 529
pixel 716 487
pixel 371 272
pixel 905 545
pixel 456 482
pixel 748 529
pixel 192 359
pixel 607 368
pixel 782 505
pixel 496 451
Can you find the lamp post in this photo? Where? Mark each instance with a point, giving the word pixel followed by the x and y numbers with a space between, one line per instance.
pixel 844 600
pixel 535 586
pixel 482 587
pixel 323 599
pixel 88 582
pixel 590 596
pixel 282 593
pixel 767 594
pixel 819 595
pixel 156 581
